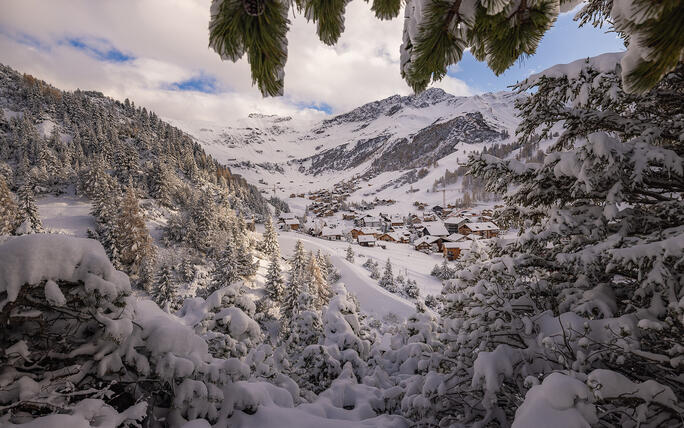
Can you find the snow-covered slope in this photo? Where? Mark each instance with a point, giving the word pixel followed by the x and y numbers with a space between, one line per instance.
pixel 385 143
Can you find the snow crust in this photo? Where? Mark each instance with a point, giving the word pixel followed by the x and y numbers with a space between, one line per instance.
pixel 31 259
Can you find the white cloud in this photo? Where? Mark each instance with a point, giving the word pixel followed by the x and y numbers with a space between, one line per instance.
pixel 169 40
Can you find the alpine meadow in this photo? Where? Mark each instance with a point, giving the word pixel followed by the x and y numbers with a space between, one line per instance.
pixel 337 213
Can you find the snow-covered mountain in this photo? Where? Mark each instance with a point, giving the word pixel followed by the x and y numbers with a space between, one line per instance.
pixel 392 145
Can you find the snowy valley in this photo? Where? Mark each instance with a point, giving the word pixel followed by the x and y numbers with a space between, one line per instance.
pixel 506 259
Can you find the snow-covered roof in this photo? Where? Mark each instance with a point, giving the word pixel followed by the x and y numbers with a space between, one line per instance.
pixel 455 237
pixel 366 238
pixel 371 219
pixel 426 239
pixel 329 231
pixel 463 245
pixel 394 235
pixel 286 216
pixel 291 221
pixel 436 229
pixel 370 230
pixel 482 226
pixel 456 220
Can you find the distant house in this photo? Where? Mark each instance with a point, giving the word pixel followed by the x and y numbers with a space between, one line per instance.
pixel 286 216
pixel 348 216
pixel 434 229
pixel 453 223
pixel 366 240
pixel 396 220
pixel 428 244
pixel 292 224
pixel 371 221
pixel 485 229
pixel 393 237
pixel 454 250
pixel 437 209
pixel 331 234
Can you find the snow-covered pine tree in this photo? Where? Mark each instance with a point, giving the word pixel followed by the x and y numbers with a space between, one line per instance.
pixel 333 275
pixel 225 270
pixel 246 266
pixel 387 280
pixel 588 297
pixel 275 285
pixel 165 289
pixel 270 243
pixel 132 236
pixel 188 269
pixel 296 281
pixel 160 182
pixel 8 209
pixel 318 285
pixel 28 218
pixel 204 222
pixel 411 289
pixel 350 254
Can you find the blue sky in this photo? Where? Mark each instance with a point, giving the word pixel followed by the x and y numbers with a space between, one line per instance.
pixel 155 52
pixel 563 43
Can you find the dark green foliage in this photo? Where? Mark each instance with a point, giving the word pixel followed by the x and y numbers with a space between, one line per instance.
pixel 386 9
pixel 328 16
pixel 233 32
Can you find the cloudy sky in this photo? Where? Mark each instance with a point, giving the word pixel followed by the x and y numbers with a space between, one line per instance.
pixel 155 53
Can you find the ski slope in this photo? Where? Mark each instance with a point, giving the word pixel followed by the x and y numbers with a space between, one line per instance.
pixel 374 300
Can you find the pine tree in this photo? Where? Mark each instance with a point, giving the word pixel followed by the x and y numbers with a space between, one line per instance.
pixel 318 285
pixel 188 269
pixel 165 291
pixel 132 236
pixel 275 285
pixel 350 254
pixel 160 183
pixel 387 280
pixel 8 209
pixel 226 270
pixel 296 281
pixel 28 217
pixel 246 266
pixel 411 289
pixel 270 244
pixel 588 294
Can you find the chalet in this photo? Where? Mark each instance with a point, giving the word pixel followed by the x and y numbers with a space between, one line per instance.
pixel 394 237
pixel 434 229
pixel 359 231
pixel 366 240
pixel 396 220
pixel 348 216
pixel 286 216
pixel 371 221
pixel 453 223
pixel 454 250
pixel 485 229
pixel 428 244
pixel 292 224
pixel 331 234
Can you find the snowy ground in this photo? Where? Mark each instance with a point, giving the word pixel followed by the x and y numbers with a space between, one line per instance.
pixel 374 300
pixel 70 215
pixel 67 215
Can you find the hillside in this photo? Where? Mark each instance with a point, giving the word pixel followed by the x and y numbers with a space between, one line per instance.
pixel 62 133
